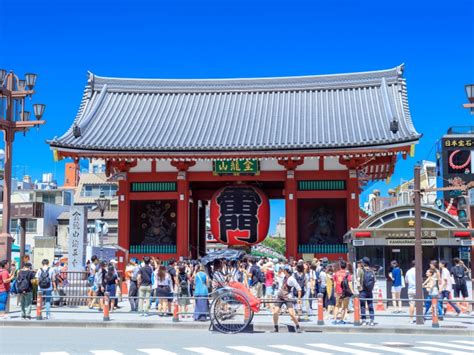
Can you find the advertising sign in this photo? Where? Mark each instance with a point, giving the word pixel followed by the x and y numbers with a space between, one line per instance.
pixel 77 236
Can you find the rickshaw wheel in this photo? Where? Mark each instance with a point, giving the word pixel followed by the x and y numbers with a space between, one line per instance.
pixel 230 312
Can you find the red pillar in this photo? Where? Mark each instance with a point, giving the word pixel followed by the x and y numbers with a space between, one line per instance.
pixel 352 200
pixel 123 220
pixel 182 236
pixel 291 208
pixel 193 228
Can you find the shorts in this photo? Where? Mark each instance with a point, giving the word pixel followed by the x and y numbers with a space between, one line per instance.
pixel 342 302
pixel 283 301
pixel 269 291
pixel 411 298
pixel 460 289
pixel 3 300
pixel 396 289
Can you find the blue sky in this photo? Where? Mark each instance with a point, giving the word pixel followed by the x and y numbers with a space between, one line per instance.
pixel 62 40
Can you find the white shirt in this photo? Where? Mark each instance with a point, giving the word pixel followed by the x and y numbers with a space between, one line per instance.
pixel 446 277
pixel 410 280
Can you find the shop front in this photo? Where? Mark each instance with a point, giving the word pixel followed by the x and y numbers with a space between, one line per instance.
pixel 390 235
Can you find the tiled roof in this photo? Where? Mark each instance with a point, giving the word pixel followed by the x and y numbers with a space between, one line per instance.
pixel 308 112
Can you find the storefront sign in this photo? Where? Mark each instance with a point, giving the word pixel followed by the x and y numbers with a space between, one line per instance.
pixel 410 233
pixel 409 241
pixel 236 167
pixel 358 243
pixel 240 215
pixel 77 236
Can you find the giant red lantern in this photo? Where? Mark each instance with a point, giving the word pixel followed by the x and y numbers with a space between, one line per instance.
pixel 240 215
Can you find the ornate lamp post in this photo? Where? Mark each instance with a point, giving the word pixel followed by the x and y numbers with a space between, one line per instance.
pixel 103 204
pixel 14 118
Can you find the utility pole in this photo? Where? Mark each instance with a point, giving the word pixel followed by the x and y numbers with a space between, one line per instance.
pixel 418 248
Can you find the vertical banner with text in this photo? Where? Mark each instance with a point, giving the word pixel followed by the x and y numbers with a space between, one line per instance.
pixel 77 236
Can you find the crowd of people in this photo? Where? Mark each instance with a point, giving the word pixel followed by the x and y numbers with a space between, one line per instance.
pixel 291 287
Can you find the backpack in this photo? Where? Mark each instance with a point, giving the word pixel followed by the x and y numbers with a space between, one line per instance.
pixel 44 279
pixel 23 282
pixel 458 273
pixel 346 290
pixel 301 281
pixel 183 283
pixel 368 283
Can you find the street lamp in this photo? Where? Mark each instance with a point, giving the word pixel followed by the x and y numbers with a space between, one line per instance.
pixel 102 203
pixel 470 97
pixel 14 118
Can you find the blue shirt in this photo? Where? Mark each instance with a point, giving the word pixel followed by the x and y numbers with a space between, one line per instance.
pixel 397 277
pixel 200 287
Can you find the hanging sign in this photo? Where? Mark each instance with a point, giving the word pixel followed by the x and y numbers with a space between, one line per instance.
pixel 236 167
pixel 240 215
pixel 77 236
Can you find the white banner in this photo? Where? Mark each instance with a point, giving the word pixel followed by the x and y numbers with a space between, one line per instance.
pixel 77 237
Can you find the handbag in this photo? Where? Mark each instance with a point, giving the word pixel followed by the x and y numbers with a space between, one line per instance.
pixel 55 296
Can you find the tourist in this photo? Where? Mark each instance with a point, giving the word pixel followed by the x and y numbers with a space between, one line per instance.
pixel 99 285
pixel 183 290
pixel 164 290
pixel 460 272
pixel 396 275
pixel 270 288
pixel 92 289
pixel 446 288
pixel 46 277
pixel 133 268
pixel 410 281
pixel 111 282
pixel 286 297
pixel 366 294
pixel 436 277
pixel 144 286
pixel 201 294
pixel 25 289
pixel 431 287
pixel 330 296
pixel 5 279
pixel 344 291
pixel 256 277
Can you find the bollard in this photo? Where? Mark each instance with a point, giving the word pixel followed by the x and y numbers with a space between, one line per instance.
pixel 320 309
pixel 39 305
pixel 175 311
pixel 356 310
pixel 106 306
pixel 380 306
pixel 434 312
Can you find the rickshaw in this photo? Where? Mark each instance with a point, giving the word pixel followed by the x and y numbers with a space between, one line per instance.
pixel 232 308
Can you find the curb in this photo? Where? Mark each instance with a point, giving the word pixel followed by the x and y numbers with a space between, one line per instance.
pixel 256 327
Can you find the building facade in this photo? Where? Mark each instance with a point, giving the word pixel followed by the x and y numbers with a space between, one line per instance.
pixel 313 141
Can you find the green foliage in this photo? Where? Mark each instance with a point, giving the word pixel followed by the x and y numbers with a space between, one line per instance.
pixel 277 244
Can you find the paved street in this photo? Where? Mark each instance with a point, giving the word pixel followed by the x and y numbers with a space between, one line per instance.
pixel 60 341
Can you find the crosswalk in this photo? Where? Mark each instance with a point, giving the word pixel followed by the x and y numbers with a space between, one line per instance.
pixel 454 347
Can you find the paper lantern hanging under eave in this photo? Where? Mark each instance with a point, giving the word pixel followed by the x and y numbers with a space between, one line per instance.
pixel 240 215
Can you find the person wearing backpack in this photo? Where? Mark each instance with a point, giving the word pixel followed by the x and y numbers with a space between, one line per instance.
pixel 366 293
pixel 459 272
pixel 344 291
pixel 183 289
pixel 46 277
pixel 285 297
pixel 25 290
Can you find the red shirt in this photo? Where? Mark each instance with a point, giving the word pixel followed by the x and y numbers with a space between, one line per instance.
pixel 269 277
pixel 4 285
pixel 338 277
